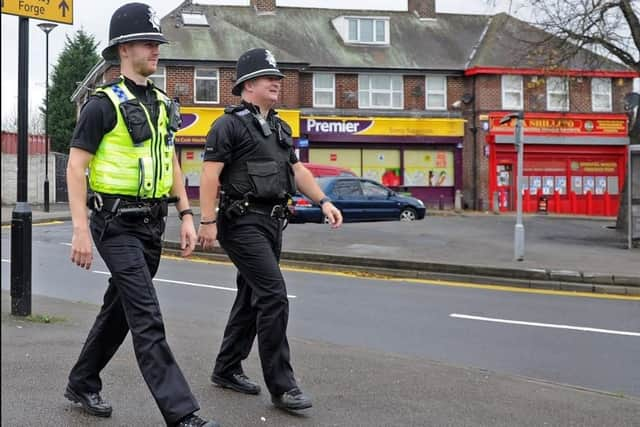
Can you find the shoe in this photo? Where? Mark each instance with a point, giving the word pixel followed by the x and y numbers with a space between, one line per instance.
pixel 238 382
pixel 91 402
pixel 195 421
pixel 293 399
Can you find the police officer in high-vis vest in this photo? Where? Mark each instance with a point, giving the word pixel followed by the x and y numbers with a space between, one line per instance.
pixel 250 158
pixel 124 136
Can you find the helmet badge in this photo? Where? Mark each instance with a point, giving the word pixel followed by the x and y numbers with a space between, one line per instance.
pixel 270 58
pixel 153 19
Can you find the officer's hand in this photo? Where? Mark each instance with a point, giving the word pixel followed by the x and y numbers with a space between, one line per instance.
pixel 333 214
pixel 207 234
pixel 188 236
pixel 81 248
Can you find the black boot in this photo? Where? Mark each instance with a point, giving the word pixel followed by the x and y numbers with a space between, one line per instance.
pixel 294 399
pixel 91 402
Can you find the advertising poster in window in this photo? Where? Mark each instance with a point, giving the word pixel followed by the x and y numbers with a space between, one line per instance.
pixel 589 184
pixel 547 185
pixel 191 164
pixel 428 168
pixel 561 184
pixel 343 157
pixel 535 182
pixel 601 184
pixel 612 185
pixel 382 166
pixel 576 184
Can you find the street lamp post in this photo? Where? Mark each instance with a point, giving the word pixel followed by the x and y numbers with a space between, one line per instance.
pixel 518 234
pixel 46 27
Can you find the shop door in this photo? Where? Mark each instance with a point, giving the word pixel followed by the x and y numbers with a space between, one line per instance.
pixel 504 178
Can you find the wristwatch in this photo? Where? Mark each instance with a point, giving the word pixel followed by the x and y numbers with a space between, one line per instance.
pixel 324 200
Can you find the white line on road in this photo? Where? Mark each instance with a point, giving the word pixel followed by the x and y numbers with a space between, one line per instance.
pixel 196 285
pixel 6 260
pixel 545 325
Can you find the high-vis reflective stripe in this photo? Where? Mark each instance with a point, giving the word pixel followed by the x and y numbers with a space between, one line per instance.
pixel 122 167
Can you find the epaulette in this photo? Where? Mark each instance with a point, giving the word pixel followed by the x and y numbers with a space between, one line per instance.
pixel 111 83
pixel 231 109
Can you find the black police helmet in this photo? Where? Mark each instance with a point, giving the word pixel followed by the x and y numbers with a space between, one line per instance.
pixel 254 63
pixel 132 22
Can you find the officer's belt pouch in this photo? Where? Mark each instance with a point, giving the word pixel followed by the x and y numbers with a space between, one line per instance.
pixel 136 121
pixel 264 176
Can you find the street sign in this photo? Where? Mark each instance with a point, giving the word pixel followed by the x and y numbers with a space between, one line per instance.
pixel 46 10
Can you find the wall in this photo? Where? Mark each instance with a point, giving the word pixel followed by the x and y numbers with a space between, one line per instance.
pixel 35 178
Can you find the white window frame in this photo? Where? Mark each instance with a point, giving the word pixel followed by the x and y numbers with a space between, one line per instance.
pixel 608 94
pixel 551 93
pixel 389 91
pixel 374 19
pixel 162 76
pixel 195 84
pixel 442 92
pixel 506 91
pixel 324 90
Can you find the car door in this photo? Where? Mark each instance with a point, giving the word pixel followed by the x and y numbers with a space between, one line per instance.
pixel 378 203
pixel 347 196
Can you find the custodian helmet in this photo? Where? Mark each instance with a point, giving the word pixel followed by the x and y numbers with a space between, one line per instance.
pixel 132 22
pixel 254 63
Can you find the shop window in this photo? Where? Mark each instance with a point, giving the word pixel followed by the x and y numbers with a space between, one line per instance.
pixel 380 91
pixel 207 84
pixel 588 184
pixel 612 185
pixel 601 94
pixel 436 92
pixel 159 78
pixel 561 185
pixel 557 94
pixel 535 182
pixel 547 185
pixel 382 166
pixel 428 168
pixel 576 185
pixel 191 165
pixel 511 92
pixel 323 90
pixel 343 157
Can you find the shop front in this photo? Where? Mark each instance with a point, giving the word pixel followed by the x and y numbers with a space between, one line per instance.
pixel 573 163
pixel 420 156
pixel 191 137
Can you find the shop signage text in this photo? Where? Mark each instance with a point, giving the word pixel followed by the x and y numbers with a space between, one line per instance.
pixel 564 125
pixel 337 126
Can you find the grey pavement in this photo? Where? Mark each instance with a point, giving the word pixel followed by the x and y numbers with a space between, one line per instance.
pixel 561 252
pixel 350 386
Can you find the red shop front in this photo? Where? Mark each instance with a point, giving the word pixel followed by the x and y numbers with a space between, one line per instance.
pixel 573 163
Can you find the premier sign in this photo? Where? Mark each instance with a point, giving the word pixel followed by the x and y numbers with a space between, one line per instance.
pixel 328 126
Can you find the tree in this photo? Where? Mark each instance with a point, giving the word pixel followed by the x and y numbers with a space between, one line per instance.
pixel 74 63
pixel 36 121
pixel 608 27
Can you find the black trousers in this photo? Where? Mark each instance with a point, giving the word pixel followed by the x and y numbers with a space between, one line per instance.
pixel 131 248
pixel 253 242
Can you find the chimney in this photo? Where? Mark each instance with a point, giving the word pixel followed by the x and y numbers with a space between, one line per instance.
pixel 424 9
pixel 264 6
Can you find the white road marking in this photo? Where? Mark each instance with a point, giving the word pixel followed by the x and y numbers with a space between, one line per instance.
pixel 6 260
pixel 196 285
pixel 66 244
pixel 545 325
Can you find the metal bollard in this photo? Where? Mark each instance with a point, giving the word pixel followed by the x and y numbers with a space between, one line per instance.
pixel 496 203
pixel 441 202
pixel 457 204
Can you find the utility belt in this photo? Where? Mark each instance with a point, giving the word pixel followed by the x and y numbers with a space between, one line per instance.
pixel 130 207
pixel 234 208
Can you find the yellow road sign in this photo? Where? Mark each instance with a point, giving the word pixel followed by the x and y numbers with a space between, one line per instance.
pixel 46 10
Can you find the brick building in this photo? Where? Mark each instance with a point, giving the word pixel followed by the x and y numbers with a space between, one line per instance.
pixel 411 99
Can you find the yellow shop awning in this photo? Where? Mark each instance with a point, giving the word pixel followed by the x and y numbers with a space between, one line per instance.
pixel 196 122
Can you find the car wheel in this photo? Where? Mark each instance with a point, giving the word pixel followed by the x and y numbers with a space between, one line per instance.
pixel 407 214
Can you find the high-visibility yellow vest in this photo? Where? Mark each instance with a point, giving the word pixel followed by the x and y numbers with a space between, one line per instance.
pixel 122 167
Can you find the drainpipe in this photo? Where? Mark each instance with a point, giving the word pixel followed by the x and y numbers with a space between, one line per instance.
pixel 474 131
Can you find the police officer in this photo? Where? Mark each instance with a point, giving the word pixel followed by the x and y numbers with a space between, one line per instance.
pixel 124 136
pixel 250 157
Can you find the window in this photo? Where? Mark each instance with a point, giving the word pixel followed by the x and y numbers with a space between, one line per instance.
pixel 512 92
pixel 557 94
pixel 436 92
pixel 601 94
pixel 159 78
pixel 368 30
pixel 206 85
pixel 380 91
pixel 323 90
pixel 374 190
pixel 347 188
pixel 194 19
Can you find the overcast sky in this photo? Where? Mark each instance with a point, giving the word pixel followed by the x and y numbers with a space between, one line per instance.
pixel 93 16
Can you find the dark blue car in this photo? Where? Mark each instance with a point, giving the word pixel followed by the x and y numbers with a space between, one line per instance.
pixel 359 199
